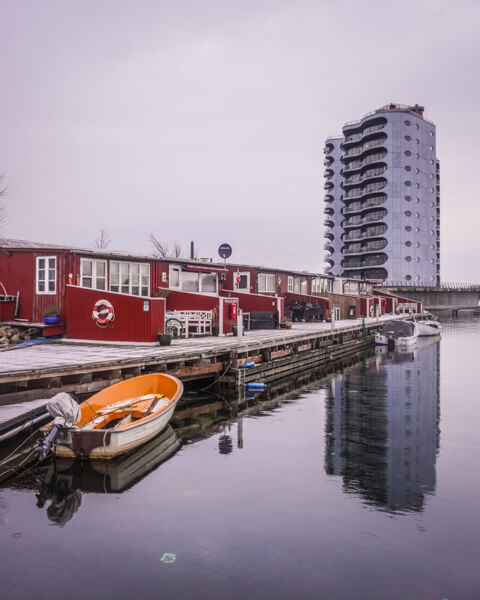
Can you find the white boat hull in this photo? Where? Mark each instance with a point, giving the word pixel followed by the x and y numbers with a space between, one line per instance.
pixel 428 328
pixel 401 342
pixel 111 442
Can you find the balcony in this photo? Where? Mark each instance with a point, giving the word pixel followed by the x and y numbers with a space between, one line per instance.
pixel 352 208
pixel 329 235
pixel 328 198
pixel 328 185
pixel 364 147
pixel 328 247
pixel 356 137
pixel 328 173
pixel 328 210
pixel 372 247
pixel 329 223
pixel 358 192
pixel 370 261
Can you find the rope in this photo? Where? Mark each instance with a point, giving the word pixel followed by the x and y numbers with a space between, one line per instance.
pixel 18 448
pixel 218 378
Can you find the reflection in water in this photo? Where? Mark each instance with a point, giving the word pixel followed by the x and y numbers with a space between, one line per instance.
pixel 63 481
pixel 383 427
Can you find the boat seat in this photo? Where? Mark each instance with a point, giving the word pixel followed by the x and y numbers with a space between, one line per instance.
pixel 136 408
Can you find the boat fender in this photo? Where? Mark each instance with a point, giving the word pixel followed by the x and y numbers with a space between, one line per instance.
pixel 255 386
pixel 249 364
pixel 103 313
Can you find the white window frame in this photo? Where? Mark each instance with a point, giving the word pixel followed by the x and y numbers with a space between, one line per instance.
pixel 172 268
pixel 268 283
pixel 296 285
pixel 46 280
pixel 290 284
pixel 304 286
pixel 200 275
pixel 242 274
pixel 130 282
pixel 94 275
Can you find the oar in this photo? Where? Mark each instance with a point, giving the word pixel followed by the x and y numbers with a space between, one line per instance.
pixel 152 406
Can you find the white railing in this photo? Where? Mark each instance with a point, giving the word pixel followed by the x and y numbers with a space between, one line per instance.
pixel 188 322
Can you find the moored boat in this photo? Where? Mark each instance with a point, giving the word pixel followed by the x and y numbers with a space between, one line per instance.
pixel 398 334
pixel 428 328
pixel 115 420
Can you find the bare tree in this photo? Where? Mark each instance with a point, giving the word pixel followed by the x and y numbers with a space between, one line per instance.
pixel 162 249
pixel 103 240
pixel 177 250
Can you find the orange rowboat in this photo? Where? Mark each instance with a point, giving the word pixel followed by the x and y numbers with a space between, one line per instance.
pixel 119 418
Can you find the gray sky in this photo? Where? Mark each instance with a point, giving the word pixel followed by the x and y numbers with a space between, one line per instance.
pixel 205 120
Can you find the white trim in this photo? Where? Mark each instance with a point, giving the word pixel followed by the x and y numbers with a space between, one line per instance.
pixel 79 287
pixel 201 275
pixel 94 275
pixel 108 342
pixel 221 301
pixel 269 277
pixel 241 273
pixel 45 292
pixel 174 268
pixel 130 275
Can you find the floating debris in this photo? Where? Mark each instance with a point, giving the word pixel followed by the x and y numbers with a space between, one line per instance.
pixel 168 558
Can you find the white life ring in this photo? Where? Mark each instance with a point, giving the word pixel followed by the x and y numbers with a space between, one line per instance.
pixel 103 313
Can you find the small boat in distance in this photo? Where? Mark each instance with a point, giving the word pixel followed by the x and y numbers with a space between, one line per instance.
pixel 397 334
pixel 115 420
pixel 428 327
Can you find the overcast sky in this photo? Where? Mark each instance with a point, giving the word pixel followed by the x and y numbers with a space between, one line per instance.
pixel 205 120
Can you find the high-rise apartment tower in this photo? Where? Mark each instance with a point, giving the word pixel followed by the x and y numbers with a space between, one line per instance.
pixel 382 198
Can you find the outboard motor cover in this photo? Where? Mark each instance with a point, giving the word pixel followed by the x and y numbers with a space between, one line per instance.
pixel 65 411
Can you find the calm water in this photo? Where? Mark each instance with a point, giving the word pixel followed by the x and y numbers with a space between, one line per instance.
pixel 362 485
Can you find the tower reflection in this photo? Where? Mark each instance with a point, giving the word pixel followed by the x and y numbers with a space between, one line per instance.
pixel 383 427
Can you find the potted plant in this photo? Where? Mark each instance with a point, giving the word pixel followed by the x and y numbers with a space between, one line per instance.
pixel 164 339
pixel 51 315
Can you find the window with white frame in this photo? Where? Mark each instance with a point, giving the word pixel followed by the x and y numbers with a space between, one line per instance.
pixel 296 285
pixel 46 275
pixel 93 273
pixel 174 277
pixel 304 286
pixel 241 280
pixel 192 281
pixel 130 278
pixel 290 283
pixel 266 282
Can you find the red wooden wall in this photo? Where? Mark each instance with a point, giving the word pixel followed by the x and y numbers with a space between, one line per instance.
pixel 256 302
pixel 130 324
pixel 17 273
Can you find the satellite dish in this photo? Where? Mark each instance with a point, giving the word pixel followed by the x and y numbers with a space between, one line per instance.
pixel 225 251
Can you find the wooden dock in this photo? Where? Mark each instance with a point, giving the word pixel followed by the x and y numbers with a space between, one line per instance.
pixel 40 371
